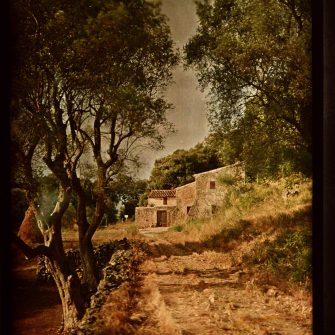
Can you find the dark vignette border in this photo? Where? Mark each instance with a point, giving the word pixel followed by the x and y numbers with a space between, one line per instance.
pixel 323 167
pixel 5 255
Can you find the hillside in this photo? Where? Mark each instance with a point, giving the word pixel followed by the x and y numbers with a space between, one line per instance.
pixel 266 225
pixel 245 271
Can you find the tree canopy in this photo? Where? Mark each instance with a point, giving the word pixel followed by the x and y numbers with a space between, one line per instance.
pixel 254 57
pixel 126 191
pixel 178 168
pixel 87 89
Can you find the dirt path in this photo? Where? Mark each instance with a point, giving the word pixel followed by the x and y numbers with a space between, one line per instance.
pixel 205 294
pixel 188 290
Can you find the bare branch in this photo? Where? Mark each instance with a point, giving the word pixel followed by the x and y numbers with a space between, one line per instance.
pixel 31 252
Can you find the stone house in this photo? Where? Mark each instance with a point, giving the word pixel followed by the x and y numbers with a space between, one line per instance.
pixel 198 199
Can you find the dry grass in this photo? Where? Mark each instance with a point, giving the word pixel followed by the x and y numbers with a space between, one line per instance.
pixel 256 204
pixel 158 319
pixel 117 231
pixel 136 308
pixel 254 217
pixel 267 226
pixel 263 206
pixel 115 313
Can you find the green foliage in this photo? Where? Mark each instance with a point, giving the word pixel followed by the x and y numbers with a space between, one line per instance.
pixel 111 211
pixel 226 179
pixel 87 87
pixel 255 57
pixel 294 180
pixel 178 228
pixel 244 197
pixel 48 189
pixel 87 74
pixel 69 219
pixel 126 190
pixel 178 168
pixel 289 256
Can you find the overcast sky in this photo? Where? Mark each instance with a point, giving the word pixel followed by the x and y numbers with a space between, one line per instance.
pixel 189 113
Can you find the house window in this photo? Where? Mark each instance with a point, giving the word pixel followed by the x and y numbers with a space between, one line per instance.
pixel 212 185
pixel 165 201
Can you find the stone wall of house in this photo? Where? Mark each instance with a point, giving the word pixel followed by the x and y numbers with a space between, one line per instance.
pixel 211 191
pixel 160 202
pixel 207 195
pixel 186 196
pixel 146 217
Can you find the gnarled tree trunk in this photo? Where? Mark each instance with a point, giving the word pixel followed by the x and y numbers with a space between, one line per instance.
pixel 69 288
pixel 90 272
pixel 66 279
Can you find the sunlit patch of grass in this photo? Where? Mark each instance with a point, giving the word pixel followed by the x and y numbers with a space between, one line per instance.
pixel 132 230
pixel 112 232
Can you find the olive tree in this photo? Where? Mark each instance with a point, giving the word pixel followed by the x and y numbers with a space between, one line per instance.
pixel 254 57
pixel 87 84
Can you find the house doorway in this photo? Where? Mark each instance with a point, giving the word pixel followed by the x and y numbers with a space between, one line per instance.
pixel 161 218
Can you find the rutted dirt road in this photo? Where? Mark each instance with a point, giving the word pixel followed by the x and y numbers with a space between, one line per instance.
pixel 187 289
pixel 204 293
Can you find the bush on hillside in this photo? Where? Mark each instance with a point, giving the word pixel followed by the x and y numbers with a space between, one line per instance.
pixel 288 256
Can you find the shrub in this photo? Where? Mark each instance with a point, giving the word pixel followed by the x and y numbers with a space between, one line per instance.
pixel 178 228
pixel 246 196
pixel 289 256
pixel 226 179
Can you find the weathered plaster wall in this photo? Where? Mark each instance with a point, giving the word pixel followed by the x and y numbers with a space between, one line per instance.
pixel 159 202
pixel 205 193
pixel 186 196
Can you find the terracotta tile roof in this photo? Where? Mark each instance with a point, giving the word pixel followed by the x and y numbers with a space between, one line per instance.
pixel 162 194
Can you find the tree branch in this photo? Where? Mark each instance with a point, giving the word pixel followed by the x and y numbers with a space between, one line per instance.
pixel 30 252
